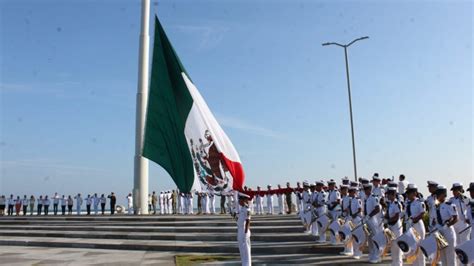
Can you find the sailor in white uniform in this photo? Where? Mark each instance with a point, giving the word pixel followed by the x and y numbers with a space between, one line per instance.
pixel 345 199
pixel 446 217
pixel 79 201
pixel 415 209
pixel 321 209
pixel 430 201
pixel 393 215
pixel 460 202
pixel 95 202
pixel 355 214
pixel 130 203
pixel 243 230
pixel 470 211
pixel 162 205
pixel 372 216
pixel 334 206
pixel 305 213
pixel 377 189
pixel 269 194
pixel 212 202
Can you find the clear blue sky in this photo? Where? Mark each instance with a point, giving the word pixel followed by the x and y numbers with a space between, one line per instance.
pixel 69 75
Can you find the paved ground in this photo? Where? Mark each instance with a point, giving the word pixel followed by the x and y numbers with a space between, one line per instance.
pixel 73 256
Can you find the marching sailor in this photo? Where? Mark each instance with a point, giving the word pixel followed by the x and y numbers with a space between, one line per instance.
pixel 415 209
pixel 377 190
pixel 393 215
pixel 162 205
pixel 269 200
pixel 321 209
pixel 243 230
pixel 446 216
pixel 334 201
pixel 430 201
pixel 372 217
pixel 460 202
pixel 355 215
pixel 345 203
pixel 470 211
pixel 305 213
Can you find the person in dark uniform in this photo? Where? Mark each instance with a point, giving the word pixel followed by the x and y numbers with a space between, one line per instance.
pixel 113 201
pixel 288 194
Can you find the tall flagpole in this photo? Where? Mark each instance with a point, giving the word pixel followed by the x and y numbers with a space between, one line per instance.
pixel 140 189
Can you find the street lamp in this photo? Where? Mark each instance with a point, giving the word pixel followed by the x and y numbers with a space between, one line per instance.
pixel 345 46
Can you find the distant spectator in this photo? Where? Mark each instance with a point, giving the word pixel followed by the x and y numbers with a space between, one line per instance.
pixel 11 204
pixel 2 205
pixel 70 203
pixel 55 203
pixel 40 205
pixel 32 204
pixel 17 205
pixel 103 200
pixel 154 199
pixel 88 204
pixel 63 205
pixel 130 203
pixel 113 201
pixel 79 200
pixel 95 202
pixel 24 203
pixel 46 204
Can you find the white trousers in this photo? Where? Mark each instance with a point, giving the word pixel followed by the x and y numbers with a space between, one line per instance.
pixel 245 250
pixel 96 209
pixel 270 205
pixel 448 256
pixel 78 210
pixel 334 216
pixel 213 203
pixel 280 205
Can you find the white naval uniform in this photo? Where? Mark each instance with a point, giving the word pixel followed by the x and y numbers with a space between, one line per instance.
pixel 379 192
pixel 259 202
pixel 305 213
pixel 402 186
pixel 470 216
pixel 130 204
pixel 181 203
pixel 280 202
pixel 354 205
pixel 374 223
pixel 444 212
pixel 212 203
pixel 345 215
pixel 321 199
pixel 430 203
pixel 413 209
pixel 269 196
pixel 299 200
pixel 162 205
pixel 313 211
pixel 333 197
pixel 95 202
pixel 242 237
pixel 393 209
pixel 461 206
pixel 78 204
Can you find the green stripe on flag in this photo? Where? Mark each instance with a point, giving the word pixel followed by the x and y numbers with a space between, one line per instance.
pixel 169 103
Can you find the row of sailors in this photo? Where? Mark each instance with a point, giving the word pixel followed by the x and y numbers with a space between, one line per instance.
pixel 43 203
pixel 357 214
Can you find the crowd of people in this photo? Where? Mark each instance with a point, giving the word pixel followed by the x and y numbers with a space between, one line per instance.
pixel 381 215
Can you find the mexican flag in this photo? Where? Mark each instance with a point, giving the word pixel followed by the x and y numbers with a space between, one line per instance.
pixel 181 133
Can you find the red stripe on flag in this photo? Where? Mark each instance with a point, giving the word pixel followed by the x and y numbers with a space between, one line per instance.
pixel 237 172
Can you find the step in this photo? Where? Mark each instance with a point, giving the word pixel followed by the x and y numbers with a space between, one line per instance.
pixel 182 229
pixel 229 236
pixel 230 247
